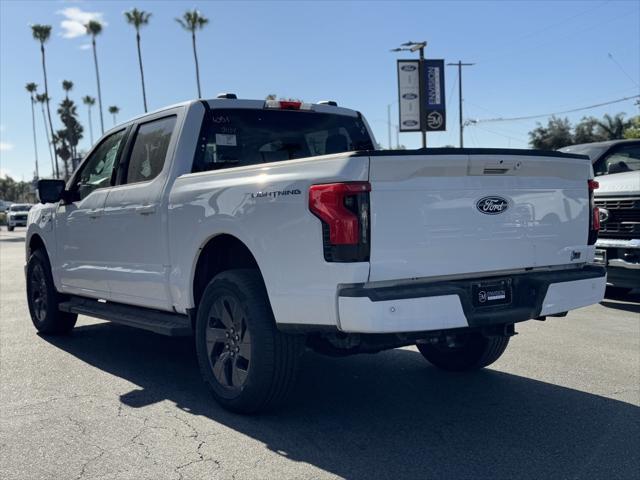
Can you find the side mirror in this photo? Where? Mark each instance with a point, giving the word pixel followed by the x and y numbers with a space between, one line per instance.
pixel 50 191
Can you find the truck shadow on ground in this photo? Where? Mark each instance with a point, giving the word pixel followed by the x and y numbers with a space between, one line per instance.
pixel 391 415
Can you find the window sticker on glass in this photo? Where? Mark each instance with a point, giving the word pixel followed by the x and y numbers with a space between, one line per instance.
pixel 225 140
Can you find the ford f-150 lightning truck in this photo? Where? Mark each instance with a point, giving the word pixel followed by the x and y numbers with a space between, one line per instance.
pixel 264 228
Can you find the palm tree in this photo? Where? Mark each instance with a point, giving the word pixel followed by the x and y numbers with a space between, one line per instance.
pixel 42 99
pixel 67 85
pixel 613 127
pixel 139 18
pixel 192 21
pixel 89 101
pixel 113 110
pixel 42 33
pixel 32 89
pixel 94 28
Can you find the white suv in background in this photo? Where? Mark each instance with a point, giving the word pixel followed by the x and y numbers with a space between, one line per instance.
pixel 17 215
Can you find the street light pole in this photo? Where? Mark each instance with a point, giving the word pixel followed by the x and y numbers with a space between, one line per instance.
pixel 460 65
pixel 422 89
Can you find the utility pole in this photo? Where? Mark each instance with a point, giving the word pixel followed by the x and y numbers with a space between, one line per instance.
pixel 460 65
pixel 389 124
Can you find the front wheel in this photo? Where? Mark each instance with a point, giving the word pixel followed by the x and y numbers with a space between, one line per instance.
pixel 248 364
pixel 10 228
pixel 470 351
pixel 43 298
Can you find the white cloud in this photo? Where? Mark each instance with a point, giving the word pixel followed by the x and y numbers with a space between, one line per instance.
pixel 85 46
pixel 75 20
pixel 5 147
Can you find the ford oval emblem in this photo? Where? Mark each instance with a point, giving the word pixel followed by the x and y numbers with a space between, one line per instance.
pixel 408 68
pixel 492 205
pixel 409 96
pixel 410 123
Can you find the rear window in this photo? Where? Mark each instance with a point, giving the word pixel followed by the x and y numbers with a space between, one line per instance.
pixel 238 137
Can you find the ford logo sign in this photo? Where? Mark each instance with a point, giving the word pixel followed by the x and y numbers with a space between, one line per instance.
pixel 409 96
pixel 410 123
pixel 492 205
pixel 408 68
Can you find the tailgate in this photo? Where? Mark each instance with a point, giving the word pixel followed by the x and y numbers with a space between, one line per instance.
pixel 449 214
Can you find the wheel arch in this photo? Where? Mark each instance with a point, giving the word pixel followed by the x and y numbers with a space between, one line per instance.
pixel 218 254
pixel 36 243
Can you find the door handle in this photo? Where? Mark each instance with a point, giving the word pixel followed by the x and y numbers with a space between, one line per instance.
pixel 95 213
pixel 146 209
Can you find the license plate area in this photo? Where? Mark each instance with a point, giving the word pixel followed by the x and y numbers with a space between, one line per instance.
pixel 491 293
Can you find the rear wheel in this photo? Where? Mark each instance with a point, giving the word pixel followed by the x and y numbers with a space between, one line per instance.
pixel 10 228
pixel 470 351
pixel 43 299
pixel 248 364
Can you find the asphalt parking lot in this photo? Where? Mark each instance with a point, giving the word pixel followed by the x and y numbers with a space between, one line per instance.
pixel 110 402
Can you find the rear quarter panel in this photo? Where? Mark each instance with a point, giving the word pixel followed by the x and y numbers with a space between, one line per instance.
pixel 284 237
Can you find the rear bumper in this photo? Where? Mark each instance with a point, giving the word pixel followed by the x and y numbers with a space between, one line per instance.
pixel 416 307
pixel 622 259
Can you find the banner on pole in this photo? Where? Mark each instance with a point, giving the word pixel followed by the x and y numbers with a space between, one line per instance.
pixel 435 114
pixel 409 96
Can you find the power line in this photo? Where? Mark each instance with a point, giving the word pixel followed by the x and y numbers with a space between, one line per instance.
pixel 543 115
pixel 622 69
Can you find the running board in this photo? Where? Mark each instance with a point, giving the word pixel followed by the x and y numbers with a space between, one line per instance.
pixel 164 323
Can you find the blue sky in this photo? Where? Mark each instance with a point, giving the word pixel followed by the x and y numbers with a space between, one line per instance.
pixel 531 58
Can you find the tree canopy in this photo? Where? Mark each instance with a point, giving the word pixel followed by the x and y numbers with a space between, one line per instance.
pixel 559 132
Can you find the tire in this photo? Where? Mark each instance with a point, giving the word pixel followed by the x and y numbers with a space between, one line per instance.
pixel 43 299
pixel 247 363
pixel 10 228
pixel 475 351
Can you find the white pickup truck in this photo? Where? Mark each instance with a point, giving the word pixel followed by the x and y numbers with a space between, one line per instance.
pixel 262 228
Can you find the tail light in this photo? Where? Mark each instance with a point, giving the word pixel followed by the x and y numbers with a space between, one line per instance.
pixel 594 217
pixel 343 209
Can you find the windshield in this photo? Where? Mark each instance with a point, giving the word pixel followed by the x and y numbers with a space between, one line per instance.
pixel 237 137
pixel 20 208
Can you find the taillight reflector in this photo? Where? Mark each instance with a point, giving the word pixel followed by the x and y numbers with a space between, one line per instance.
pixel 327 202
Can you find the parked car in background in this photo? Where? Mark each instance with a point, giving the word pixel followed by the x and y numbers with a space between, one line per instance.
pixel 617 163
pixel 17 215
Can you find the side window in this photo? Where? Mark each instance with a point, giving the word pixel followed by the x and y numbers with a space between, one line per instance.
pixel 150 149
pixel 624 159
pixel 96 172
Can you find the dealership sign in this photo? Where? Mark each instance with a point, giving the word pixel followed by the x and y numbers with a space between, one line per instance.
pixel 409 95
pixel 435 108
pixel 421 96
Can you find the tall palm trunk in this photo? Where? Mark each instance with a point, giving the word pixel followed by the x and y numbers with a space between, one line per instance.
pixel 90 125
pixel 95 60
pixel 46 92
pixel 195 56
pixel 35 141
pixel 46 132
pixel 144 93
